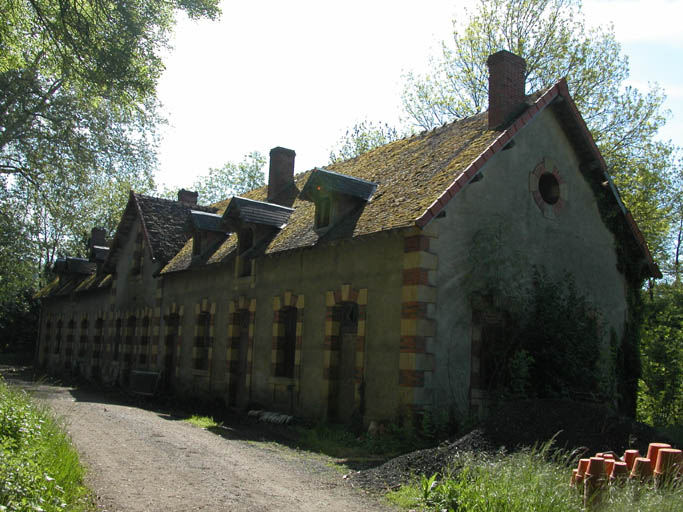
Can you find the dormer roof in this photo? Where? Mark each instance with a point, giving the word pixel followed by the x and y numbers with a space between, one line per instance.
pixel 242 210
pixel 79 266
pixel 206 221
pixel 325 180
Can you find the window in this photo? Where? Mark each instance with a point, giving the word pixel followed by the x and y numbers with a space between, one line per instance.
pixel 246 242
pixel 99 327
pixel 130 336
pixel 322 212
pixel 70 328
pixel 138 256
pixel 144 340
pixel 202 342
pixel 48 332
pixel 83 342
pixel 197 244
pixel 549 188
pixel 286 346
pixel 117 338
pixel 172 330
pixel 58 337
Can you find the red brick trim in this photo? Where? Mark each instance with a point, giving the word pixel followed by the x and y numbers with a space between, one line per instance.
pixel 416 243
pixel 414 309
pixel 413 344
pixel 411 378
pixel 414 276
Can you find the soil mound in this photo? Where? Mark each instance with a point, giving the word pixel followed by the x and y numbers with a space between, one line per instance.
pixel 512 425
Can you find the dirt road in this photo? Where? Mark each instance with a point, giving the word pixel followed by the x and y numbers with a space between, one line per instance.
pixel 141 460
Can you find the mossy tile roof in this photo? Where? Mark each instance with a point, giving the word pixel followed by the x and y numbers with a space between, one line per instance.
pixel 410 175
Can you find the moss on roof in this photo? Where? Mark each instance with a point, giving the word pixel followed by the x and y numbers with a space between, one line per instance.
pixel 411 173
pixel 65 284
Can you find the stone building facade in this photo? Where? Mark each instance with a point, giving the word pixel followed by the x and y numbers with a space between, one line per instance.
pixel 355 290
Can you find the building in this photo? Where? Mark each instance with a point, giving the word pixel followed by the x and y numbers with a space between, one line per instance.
pixel 364 289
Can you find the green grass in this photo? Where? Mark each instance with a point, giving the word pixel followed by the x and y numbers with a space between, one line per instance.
pixel 336 441
pixel 202 421
pixel 524 481
pixel 39 468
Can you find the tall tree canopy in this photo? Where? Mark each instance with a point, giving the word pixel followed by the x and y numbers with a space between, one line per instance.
pixel 362 137
pixel 231 179
pixel 78 110
pixel 551 35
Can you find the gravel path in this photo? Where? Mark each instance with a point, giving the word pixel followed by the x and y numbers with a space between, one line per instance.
pixel 140 460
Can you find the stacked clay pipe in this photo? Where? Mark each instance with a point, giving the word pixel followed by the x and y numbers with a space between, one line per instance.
pixel 663 465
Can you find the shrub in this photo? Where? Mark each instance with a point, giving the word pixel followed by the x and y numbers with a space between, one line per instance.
pixel 531 479
pixel 39 468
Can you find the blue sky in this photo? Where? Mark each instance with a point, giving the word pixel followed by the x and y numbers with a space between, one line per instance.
pixel 298 74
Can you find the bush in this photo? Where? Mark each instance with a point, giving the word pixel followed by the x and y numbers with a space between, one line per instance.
pixel 660 393
pixel 39 468
pixel 532 479
pixel 19 324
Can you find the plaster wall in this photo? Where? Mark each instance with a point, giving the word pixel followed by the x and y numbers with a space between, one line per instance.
pixel 90 305
pixel 372 263
pixel 135 290
pixel 495 230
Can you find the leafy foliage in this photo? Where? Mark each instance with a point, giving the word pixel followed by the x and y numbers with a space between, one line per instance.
pixel 19 320
pixel 78 114
pixel 552 346
pixel 552 37
pixel 660 399
pixel 531 479
pixel 39 468
pixel 361 138
pixel 231 179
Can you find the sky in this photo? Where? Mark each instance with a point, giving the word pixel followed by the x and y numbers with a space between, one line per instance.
pixel 297 74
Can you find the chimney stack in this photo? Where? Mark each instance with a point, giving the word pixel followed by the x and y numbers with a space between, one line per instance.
pixel 98 237
pixel 281 173
pixel 188 197
pixel 506 87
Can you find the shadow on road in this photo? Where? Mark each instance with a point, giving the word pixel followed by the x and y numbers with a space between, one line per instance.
pixel 233 425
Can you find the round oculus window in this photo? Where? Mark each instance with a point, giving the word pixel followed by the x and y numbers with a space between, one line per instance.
pixel 549 188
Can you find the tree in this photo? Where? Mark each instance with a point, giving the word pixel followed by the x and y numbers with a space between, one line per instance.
pixel 230 180
pixel 78 110
pixel 660 398
pixel 552 37
pixel 363 137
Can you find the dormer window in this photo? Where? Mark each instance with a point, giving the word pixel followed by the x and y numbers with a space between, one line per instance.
pixel 197 244
pixel 335 195
pixel 246 240
pixel 322 212
pixel 245 244
pixel 206 228
pixel 256 224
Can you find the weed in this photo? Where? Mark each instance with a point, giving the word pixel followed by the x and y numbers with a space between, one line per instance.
pixel 427 485
pixel 39 468
pixel 532 479
pixel 203 421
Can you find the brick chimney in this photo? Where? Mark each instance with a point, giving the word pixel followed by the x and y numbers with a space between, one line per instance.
pixel 98 236
pixel 506 87
pixel 281 173
pixel 187 196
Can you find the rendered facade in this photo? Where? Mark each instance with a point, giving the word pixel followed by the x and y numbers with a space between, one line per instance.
pixel 357 290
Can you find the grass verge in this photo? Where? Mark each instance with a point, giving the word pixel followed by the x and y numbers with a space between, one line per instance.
pixel 533 479
pixel 39 468
pixel 202 421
